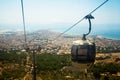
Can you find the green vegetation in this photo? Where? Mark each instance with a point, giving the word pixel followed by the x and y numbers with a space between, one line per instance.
pixel 107 69
pixel 48 62
pixel 17 72
pixel 12 57
pixel 52 67
pixel 12 65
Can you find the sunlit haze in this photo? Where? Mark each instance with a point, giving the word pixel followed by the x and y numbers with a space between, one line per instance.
pixel 57 13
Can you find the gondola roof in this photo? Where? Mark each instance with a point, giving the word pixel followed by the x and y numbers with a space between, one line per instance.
pixel 82 42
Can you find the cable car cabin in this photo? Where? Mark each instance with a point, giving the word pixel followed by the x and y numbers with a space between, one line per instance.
pixel 83 51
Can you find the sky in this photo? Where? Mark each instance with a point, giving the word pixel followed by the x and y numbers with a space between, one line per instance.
pixel 46 12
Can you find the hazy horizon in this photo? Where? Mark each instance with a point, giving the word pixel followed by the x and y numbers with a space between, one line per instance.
pixel 109 31
pixel 60 15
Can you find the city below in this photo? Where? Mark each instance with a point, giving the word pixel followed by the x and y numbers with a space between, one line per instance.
pixel 46 40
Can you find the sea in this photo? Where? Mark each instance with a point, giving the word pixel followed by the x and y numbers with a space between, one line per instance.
pixel 111 31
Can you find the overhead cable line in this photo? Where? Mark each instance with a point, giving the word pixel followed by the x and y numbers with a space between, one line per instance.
pixel 79 21
pixel 23 17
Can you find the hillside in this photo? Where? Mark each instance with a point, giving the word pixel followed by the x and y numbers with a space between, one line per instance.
pixel 53 59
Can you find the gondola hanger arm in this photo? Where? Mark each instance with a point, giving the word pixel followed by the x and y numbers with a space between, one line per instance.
pixel 89 17
pixel 80 20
